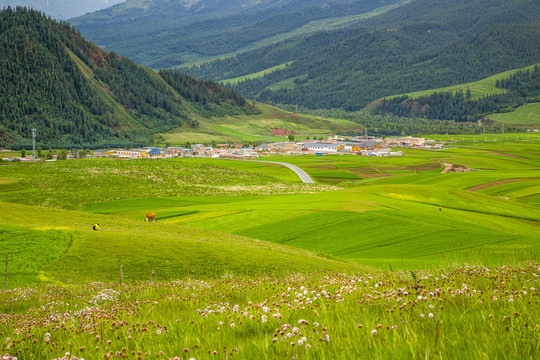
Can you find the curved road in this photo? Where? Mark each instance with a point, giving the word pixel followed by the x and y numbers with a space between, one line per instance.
pixel 301 173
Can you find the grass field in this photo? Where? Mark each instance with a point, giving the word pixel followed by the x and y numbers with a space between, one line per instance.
pixel 380 315
pixel 397 261
pixel 253 128
pixel 528 115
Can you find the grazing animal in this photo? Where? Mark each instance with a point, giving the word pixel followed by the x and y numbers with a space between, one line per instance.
pixel 151 216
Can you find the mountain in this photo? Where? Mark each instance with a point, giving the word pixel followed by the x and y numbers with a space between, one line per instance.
pixel 61 9
pixel 183 31
pixel 325 54
pixel 76 94
pixel 421 45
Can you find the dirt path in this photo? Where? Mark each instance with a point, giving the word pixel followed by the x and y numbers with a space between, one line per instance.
pixel 497 183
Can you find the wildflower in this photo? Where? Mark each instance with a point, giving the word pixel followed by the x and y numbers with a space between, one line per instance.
pixel 308 346
pixel 422 315
pixel 373 331
pixel 263 318
pixel 431 315
pixel 232 325
pixel 394 327
pixel 303 322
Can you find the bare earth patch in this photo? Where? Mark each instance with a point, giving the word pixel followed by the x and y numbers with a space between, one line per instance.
pixel 497 183
pixel 453 168
pixel 508 155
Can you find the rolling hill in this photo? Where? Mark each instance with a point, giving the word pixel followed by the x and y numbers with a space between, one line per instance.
pixel 77 95
pixel 510 97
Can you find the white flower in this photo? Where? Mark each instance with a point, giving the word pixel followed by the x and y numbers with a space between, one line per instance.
pixel 431 315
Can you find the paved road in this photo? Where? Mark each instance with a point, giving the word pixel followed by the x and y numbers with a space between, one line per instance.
pixel 301 173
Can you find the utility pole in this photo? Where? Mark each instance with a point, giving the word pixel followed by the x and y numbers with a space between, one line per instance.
pixel 34 143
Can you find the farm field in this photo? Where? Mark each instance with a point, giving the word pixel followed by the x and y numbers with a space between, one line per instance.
pixel 382 257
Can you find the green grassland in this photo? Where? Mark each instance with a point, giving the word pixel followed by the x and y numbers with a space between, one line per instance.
pixel 398 261
pixel 528 115
pixel 488 215
pixel 253 128
pixel 380 314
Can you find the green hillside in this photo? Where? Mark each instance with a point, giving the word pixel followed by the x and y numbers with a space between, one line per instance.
pixel 488 215
pixel 77 95
pixel 257 127
pixel 192 32
pixel 499 97
pixel 420 45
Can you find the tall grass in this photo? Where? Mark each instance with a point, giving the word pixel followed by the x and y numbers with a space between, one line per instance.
pixel 466 312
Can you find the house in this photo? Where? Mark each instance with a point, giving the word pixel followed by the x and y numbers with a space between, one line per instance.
pixel 263 147
pixel 284 146
pixel 154 153
pixel 324 147
pixel 99 154
pixel 132 154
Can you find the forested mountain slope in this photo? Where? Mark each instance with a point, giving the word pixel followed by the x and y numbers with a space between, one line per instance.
pixel 76 94
pixel 182 31
pixel 422 45
pixel 62 9
pixel 325 53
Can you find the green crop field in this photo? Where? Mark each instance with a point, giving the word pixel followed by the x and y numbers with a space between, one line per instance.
pixel 383 257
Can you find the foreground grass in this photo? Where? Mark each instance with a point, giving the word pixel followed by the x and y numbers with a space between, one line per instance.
pixel 470 312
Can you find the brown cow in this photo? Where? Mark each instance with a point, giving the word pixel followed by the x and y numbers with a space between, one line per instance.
pixel 151 216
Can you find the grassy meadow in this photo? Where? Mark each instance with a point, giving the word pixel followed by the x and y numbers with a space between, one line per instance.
pixel 253 128
pixel 383 257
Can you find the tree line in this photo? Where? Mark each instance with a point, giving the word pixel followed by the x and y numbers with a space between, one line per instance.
pixel 522 87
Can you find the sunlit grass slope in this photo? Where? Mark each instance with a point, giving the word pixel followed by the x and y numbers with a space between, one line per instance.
pixel 398 212
pixel 60 245
pixel 71 184
pixel 252 128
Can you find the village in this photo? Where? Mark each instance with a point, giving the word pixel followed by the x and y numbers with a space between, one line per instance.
pixel 364 146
